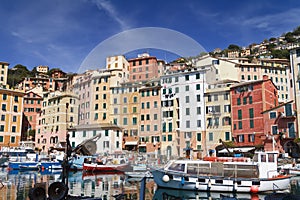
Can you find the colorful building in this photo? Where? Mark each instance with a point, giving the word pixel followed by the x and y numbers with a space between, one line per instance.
pixel 11 114
pixel 3 73
pixel 248 101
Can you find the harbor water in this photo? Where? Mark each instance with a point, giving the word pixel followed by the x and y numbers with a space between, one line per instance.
pixel 16 185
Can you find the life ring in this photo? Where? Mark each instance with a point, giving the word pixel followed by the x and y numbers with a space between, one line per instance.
pixel 57 191
pixel 37 193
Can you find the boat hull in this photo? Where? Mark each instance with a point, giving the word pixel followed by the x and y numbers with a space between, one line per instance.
pixel 32 165
pixel 219 184
pixel 104 168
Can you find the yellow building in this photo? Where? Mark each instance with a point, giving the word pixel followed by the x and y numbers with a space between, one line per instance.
pixel 10 117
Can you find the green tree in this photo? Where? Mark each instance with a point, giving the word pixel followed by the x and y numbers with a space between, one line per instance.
pixel 17 73
pixel 233 47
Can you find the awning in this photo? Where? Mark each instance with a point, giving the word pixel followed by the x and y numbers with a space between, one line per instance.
pixel 131 143
pixel 240 149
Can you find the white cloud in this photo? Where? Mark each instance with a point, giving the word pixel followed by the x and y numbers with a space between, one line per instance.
pixel 276 23
pixel 112 12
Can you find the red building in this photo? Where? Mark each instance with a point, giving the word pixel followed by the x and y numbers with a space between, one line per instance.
pixel 280 126
pixel 144 67
pixel 249 100
pixel 32 108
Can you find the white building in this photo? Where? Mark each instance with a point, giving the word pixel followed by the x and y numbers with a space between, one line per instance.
pixel 108 138
pixel 183 116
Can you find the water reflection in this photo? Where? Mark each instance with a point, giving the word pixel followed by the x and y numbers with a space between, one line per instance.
pixel 16 185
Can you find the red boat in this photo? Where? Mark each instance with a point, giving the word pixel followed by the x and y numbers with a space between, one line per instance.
pixel 95 167
pixel 110 163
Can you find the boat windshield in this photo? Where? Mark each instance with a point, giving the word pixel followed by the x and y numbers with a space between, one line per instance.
pixel 177 167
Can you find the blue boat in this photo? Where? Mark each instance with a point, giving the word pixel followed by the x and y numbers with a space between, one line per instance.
pixel 34 165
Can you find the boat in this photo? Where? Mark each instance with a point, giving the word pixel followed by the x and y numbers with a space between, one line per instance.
pixel 35 165
pixel 76 162
pixel 241 175
pixel 291 169
pixel 112 162
pixel 164 194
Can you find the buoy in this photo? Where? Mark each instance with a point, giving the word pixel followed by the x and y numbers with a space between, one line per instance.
pixel 166 178
pixel 57 191
pixel 254 189
pixel 37 193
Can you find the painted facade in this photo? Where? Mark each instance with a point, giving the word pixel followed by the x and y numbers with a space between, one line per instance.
pixel 248 101
pixel 3 73
pixel 11 114
pixel 59 112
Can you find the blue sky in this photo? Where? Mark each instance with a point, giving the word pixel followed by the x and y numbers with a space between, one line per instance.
pixel 61 33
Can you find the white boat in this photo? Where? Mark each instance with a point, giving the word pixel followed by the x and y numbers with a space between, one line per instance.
pixel 257 175
pixel 291 169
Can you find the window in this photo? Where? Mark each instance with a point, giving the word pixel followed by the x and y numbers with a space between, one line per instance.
pixel 15 108
pixel 210 136
pixel 241 138
pixel 2 117
pixel 124 121
pixel 251 123
pixel 148 105
pixel 187 77
pixel 12 139
pixel 4 96
pixel 245 100
pixel 272 115
pixel 251 113
pixel 227 136
pixel 238 101
pixel 198 97
pixel 188 124
pixel 239 114
pixel 187 88
pixel 187 99
pixel 155 104
pixel 134 121
pixel 199 123
pixel 199 137
pixel 250 99
pixel 169 137
pixel 4 107
pixel 198 87
pixel 16 99
pixel 187 111
pixel 274 130
pixel 134 99
pixel 240 125
pixel 1 128
pixel 170 127
pixel 198 110
pixel 13 129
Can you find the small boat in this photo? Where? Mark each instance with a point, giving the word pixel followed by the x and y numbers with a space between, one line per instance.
pixel 112 162
pixel 291 169
pixel 257 175
pixel 94 167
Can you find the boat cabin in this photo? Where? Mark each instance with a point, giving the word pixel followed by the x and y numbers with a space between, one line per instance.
pixel 264 165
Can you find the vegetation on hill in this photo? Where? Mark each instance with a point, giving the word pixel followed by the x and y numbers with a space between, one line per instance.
pixel 274 47
pixel 17 73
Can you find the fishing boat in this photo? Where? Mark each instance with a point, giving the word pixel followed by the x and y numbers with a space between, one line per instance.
pixel 241 175
pixel 112 162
